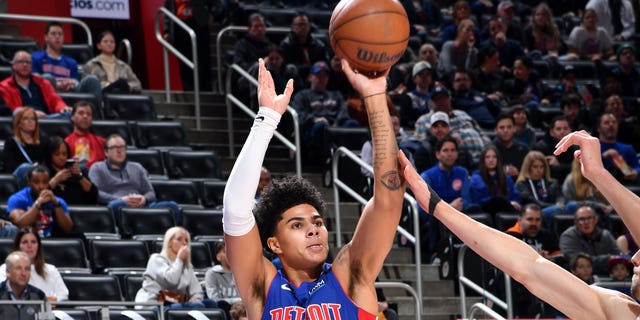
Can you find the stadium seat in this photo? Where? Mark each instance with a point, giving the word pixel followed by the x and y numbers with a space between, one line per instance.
pixel 6 247
pixel 212 241
pixel 202 222
pixel 127 314
pixel 93 287
pixel 543 69
pixel 9 48
pixel 183 192
pixel 149 221
pixel 150 160
pixel 68 255
pixel 8 186
pixel 192 165
pixel 5 72
pixel 81 52
pixel 583 69
pixel 156 133
pixel 181 314
pixel 505 220
pixel 211 193
pixel 131 286
pixel 70 98
pixel 6 128
pixel 200 254
pixel 55 127
pixel 351 138
pixel 562 222
pixel 75 314
pixel 132 107
pixel 616 226
pixel 94 222
pixel 104 128
pixel 482 217
pixel 108 255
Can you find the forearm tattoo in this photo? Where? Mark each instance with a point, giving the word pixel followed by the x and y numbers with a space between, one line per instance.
pixel 391 180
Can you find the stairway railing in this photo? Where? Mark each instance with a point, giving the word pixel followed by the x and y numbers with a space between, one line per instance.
pixel 31 17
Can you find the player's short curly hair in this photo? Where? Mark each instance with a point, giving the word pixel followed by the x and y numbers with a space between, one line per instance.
pixel 279 197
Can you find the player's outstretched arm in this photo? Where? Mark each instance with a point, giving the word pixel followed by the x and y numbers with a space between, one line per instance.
pixel 626 203
pixel 244 248
pixel 543 278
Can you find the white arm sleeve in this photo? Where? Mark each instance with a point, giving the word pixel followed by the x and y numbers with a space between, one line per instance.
pixel 241 186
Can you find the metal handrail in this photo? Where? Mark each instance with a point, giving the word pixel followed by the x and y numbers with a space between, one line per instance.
pixel 412 291
pixel 464 281
pixel 337 183
pixel 193 64
pixel 30 17
pixel 125 44
pixel 46 306
pixel 219 49
pixel 231 100
pixel 484 308
pixel 612 284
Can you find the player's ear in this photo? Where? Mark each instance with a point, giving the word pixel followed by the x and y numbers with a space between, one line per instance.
pixel 274 245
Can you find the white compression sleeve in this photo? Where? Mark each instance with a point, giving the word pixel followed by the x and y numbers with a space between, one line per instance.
pixel 241 186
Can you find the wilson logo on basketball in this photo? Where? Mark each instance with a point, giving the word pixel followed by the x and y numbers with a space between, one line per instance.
pixel 377 57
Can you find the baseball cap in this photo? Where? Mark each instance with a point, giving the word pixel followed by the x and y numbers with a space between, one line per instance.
pixel 568 69
pixel 419 67
pixel 626 45
pixel 319 66
pixel 439 116
pixel 439 89
pixel 618 259
pixel 504 5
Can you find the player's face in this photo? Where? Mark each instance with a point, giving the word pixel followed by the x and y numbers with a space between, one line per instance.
pixel 530 222
pixel 301 238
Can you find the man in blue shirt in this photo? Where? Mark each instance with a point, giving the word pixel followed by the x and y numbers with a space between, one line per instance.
pixel 618 158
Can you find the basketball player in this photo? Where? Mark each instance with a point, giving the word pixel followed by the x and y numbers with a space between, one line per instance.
pixel 289 222
pixel 551 283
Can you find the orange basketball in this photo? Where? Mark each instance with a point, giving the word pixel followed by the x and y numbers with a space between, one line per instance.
pixel 371 34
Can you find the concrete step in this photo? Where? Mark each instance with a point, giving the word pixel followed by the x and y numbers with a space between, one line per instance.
pixel 431 306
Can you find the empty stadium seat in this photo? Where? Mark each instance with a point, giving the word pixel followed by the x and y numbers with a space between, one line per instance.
pixel 192 164
pixel 351 138
pixel 164 133
pixel 138 221
pixel 213 242
pixel 202 222
pixel 583 69
pixel 8 186
pixel 9 48
pixel 70 98
pixel 55 127
pixel 150 160
pixel 68 255
pixel 94 222
pixel 6 247
pixel 543 69
pixel 505 220
pixel 183 192
pixel 104 128
pixel 211 193
pixel 482 217
pixel 131 286
pixel 6 128
pixel 81 52
pixel 93 287
pixel 107 255
pixel 127 314
pixel 615 225
pixel 562 222
pixel 181 314
pixel 131 107
pixel 75 314
pixel 5 72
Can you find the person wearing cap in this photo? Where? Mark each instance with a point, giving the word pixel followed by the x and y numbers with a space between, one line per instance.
pixel 511 27
pixel 627 72
pixel 477 105
pixel 319 108
pixel 511 152
pixel 421 76
pixel 463 127
pixel 619 270
pixel 618 22
pixel 589 41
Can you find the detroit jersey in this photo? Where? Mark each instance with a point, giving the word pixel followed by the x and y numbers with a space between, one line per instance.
pixel 322 299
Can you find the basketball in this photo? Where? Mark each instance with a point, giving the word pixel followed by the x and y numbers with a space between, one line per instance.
pixel 371 34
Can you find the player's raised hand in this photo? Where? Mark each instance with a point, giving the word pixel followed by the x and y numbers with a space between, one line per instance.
pixel 267 96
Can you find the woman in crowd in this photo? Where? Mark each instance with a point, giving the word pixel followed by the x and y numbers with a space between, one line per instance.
pixel 44 276
pixel 68 180
pixel 542 33
pixel 524 132
pixel 577 190
pixel 460 54
pixel 589 41
pixel 114 74
pixel 169 276
pixel 525 87
pixel 26 147
pixel 490 189
pixel 535 185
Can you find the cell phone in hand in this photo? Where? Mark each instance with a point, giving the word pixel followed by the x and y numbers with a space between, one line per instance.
pixel 69 163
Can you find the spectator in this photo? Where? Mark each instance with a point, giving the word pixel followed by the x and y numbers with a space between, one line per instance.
pixel 490 189
pixel 577 190
pixel 302 48
pixel 337 79
pixel 560 165
pixel 510 26
pixel 425 16
pixel 421 76
pixel 523 131
pixel 358 112
pixel 460 53
pixel 619 158
pixel 589 41
pixel 36 206
pixel 219 282
pixel 571 110
pixel 477 105
pixel 23 88
pixel 616 17
pixel 84 145
pixel 619 269
pixel 463 127
pixel 511 152
pixel 525 87
pixel 508 47
pixel 17 288
pixel 44 276
pixel 627 73
pixel 487 77
pixel 542 36
pixel 61 69
pixel 581 265
pixel 568 85
pixel 238 311
pixel 586 236
pixel 535 185
pixel 628 129
pixel 171 270
pixel 626 244
pixel 114 74
pixel 384 311
pixel 429 53
pixel 253 46
pixel 69 180
pixel 198 15
pixel 123 183
pixel 319 108
pixel 264 182
pixel 461 11
pixel 26 147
